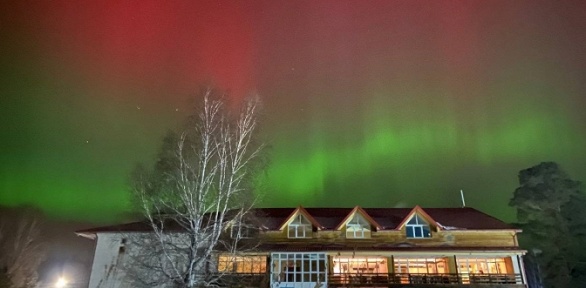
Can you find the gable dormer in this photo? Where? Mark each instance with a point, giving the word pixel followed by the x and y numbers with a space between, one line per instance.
pixel 417 227
pixel 299 227
pixel 242 231
pixel 358 224
pixel 300 224
pixel 358 227
pixel 417 224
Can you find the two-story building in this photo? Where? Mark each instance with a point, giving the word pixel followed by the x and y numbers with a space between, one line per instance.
pixel 357 247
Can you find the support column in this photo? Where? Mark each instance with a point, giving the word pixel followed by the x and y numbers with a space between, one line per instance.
pixel 452 264
pixel 519 267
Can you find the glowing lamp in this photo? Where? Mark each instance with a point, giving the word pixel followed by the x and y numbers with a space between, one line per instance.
pixel 61 282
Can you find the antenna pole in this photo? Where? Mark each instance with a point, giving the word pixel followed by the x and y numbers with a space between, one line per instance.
pixel 463 201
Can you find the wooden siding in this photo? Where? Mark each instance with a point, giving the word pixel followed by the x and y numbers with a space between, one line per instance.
pixel 472 238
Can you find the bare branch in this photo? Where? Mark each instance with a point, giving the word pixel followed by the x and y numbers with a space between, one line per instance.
pixel 195 194
pixel 21 248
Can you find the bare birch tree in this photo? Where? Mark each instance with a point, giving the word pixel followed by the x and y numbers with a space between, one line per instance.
pixel 21 250
pixel 200 187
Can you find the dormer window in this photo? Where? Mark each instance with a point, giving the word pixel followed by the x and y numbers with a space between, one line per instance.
pixel 300 227
pixel 242 232
pixel 358 227
pixel 417 228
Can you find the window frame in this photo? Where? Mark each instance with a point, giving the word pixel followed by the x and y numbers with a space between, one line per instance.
pixel 421 265
pixel 418 229
pixel 301 228
pixel 299 267
pixel 245 232
pixel 242 264
pixel 359 226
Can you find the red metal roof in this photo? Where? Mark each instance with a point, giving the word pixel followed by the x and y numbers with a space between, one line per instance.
pixel 361 211
pixel 389 218
pixel 329 218
pixel 309 217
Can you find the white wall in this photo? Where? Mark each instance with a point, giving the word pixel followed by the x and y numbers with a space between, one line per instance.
pixel 106 272
pixel 110 262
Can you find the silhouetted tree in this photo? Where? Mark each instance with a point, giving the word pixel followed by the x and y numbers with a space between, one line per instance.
pixel 21 249
pixel 550 210
pixel 200 187
pixel 4 279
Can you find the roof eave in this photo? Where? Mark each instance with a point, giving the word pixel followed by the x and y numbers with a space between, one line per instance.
pixel 413 211
pixel 309 217
pixel 91 236
pixel 363 213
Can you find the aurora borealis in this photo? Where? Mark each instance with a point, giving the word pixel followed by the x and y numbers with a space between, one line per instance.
pixel 378 103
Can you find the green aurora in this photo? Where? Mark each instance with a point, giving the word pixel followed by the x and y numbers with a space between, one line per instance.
pixel 389 105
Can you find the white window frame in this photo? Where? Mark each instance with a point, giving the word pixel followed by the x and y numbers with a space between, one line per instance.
pixel 422 265
pixel 356 265
pixel 419 225
pixel 301 228
pixel 483 265
pixel 301 268
pixel 357 227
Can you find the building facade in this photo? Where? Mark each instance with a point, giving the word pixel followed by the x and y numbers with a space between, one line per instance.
pixel 353 247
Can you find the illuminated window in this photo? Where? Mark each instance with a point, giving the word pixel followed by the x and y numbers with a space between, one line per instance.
pixel 242 264
pixel 300 227
pixel 480 265
pixel 407 269
pixel 359 265
pixel 421 265
pixel 417 228
pixel 358 227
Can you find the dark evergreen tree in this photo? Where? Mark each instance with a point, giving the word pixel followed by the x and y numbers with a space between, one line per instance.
pixel 4 279
pixel 550 210
pixel 574 213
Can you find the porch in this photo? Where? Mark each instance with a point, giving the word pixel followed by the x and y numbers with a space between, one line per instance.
pixel 314 269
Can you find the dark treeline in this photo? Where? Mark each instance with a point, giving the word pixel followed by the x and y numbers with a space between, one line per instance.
pixel 551 210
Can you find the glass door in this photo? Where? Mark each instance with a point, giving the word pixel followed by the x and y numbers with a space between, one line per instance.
pixel 298 270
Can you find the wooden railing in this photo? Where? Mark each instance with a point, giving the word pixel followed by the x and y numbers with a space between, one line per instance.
pixel 377 279
pixel 495 278
pixel 241 280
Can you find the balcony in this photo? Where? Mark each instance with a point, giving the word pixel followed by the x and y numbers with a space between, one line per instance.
pixel 425 280
pixel 241 280
pixel 378 280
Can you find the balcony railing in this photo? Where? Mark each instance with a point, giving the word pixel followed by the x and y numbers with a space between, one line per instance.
pixel 241 279
pixel 377 280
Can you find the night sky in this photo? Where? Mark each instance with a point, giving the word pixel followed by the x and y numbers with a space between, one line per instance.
pixel 372 103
